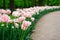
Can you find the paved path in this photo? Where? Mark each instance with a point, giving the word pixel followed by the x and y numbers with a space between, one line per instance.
pixel 48 27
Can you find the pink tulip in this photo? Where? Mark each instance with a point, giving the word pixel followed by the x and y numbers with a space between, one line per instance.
pixel 0 19
pixel 26 14
pixel 16 20
pixel 16 25
pixel 0 10
pixel 3 11
pixel 21 19
pixel 17 9
pixel 10 21
pixel 4 18
pixel 25 25
pixel 8 11
pixel 16 13
pixel 32 19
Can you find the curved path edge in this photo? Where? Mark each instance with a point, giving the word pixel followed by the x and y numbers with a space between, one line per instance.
pixel 48 27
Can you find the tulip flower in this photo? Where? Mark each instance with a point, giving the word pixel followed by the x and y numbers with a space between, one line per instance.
pixel 25 25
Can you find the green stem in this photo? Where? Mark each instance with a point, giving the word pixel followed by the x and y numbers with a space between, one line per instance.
pixel 19 30
pixel 23 35
pixel 3 27
pixel 19 33
pixel 10 31
pixel 3 34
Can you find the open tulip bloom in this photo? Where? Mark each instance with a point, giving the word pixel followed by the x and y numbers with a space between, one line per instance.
pixel 16 25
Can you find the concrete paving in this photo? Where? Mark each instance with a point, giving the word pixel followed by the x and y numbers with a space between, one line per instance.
pixel 48 27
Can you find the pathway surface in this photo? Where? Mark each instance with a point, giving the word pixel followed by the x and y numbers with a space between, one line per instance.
pixel 48 27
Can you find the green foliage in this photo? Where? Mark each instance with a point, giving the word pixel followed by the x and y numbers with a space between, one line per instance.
pixel 52 2
pixel 29 3
pixel 19 3
pixel 1 3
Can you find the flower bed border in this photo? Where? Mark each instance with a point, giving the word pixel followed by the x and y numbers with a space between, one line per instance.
pixel 9 31
pixel 37 17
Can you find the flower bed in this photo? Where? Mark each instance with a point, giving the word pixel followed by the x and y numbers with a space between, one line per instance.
pixel 19 24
